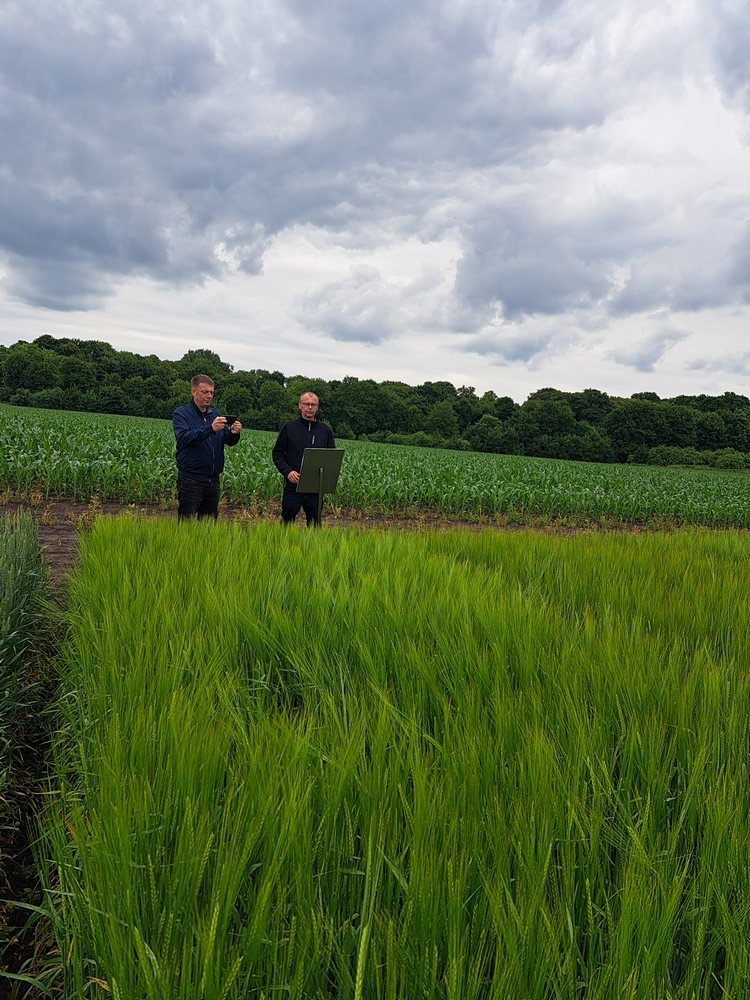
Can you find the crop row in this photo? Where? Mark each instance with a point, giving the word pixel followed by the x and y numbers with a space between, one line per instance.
pixel 131 459
pixel 21 578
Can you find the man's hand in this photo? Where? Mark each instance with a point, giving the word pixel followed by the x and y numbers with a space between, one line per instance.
pixel 293 477
pixel 218 424
pixel 235 428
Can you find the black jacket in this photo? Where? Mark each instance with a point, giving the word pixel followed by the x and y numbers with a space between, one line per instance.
pixel 294 437
pixel 200 450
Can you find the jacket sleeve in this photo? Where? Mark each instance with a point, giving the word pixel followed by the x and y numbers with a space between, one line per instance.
pixel 330 443
pixel 278 454
pixel 186 435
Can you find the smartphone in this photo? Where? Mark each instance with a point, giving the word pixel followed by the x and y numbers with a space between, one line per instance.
pixel 230 419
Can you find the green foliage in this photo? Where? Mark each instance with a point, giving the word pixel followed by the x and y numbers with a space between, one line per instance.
pixel 503 407
pixel 344 432
pixel 728 402
pixel 201 362
pixel 663 454
pixel 77 375
pixel 442 420
pixel 546 426
pixel 633 427
pixel 371 765
pixel 723 458
pixel 26 366
pixel 360 404
pixel 711 431
pixel 487 434
pixel 237 399
pixel 728 458
pixel 591 405
pixel 544 418
pixel 737 429
pixel 275 406
pixel 20 582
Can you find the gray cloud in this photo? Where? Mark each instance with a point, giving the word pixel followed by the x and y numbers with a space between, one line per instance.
pixel 504 349
pixel 732 44
pixel 367 307
pixel 355 308
pixel 644 354
pixel 736 364
pixel 176 141
pixel 740 263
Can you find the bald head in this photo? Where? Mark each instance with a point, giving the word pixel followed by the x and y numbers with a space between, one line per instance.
pixel 308 405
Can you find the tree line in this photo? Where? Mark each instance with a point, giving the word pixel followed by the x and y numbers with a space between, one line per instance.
pixel 90 375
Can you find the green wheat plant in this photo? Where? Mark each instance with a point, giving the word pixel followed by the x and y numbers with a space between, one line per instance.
pixel 360 765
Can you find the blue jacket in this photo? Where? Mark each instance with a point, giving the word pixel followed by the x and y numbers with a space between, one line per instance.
pixel 200 450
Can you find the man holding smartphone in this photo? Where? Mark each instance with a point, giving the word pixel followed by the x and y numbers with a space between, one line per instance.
pixel 201 433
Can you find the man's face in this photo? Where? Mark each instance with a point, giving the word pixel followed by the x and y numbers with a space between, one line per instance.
pixel 202 395
pixel 308 406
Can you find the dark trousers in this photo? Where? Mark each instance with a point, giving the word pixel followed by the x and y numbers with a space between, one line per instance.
pixel 197 499
pixel 291 501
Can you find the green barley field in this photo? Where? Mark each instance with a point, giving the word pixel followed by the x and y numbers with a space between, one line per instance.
pixel 367 765
pixel 131 459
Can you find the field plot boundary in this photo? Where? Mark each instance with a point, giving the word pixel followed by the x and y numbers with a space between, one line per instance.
pixel 374 764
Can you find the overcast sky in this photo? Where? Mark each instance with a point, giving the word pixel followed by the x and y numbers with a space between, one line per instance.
pixel 508 194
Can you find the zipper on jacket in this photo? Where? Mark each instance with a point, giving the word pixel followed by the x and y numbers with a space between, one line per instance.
pixel 213 445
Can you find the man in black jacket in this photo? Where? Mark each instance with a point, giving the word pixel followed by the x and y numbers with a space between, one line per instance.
pixel 201 433
pixel 296 435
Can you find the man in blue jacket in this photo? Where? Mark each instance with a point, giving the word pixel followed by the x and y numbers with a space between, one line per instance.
pixel 201 434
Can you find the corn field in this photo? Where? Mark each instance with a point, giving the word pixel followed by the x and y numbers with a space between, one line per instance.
pixel 131 460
